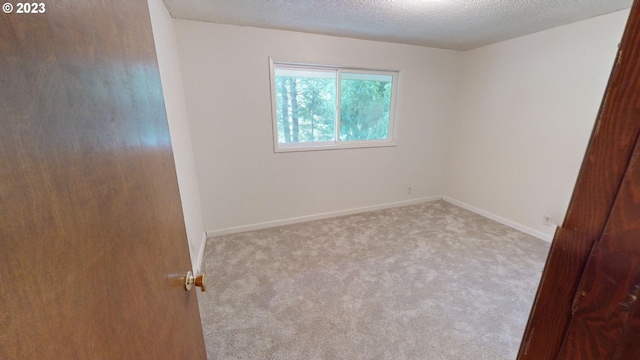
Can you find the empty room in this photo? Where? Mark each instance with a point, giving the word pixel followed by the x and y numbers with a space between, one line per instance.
pixel 358 179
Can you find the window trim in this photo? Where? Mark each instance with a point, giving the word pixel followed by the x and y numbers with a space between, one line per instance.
pixel 337 144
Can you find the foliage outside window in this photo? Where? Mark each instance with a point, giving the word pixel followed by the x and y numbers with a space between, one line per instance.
pixel 322 107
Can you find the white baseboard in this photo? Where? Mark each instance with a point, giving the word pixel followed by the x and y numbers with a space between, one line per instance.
pixel 500 219
pixel 301 219
pixel 269 224
pixel 197 265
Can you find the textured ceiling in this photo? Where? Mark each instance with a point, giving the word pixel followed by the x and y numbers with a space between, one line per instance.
pixel 449 24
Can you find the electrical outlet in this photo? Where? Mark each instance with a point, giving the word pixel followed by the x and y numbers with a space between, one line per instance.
pixel 409 190
pixel 547 220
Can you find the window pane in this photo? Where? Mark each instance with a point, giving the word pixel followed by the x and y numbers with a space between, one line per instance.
pixel 305 105
pixel 365 105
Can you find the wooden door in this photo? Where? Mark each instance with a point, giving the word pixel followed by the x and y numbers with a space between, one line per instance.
pixel 588 310
pixel 606 320
pixel 92 240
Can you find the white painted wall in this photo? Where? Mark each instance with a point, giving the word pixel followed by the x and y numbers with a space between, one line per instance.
pixel 524 114
pixel 165 41
pixel 244 184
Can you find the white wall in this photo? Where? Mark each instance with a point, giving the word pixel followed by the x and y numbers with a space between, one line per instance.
pixel 524 114
pixel 244 184
pixel 165 41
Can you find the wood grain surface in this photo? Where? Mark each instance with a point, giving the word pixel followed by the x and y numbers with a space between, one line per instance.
pixel 605 311
pixel 93 243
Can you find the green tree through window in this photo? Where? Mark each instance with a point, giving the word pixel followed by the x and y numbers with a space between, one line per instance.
pixel 308 110
pixel 365 102
pixel 305 106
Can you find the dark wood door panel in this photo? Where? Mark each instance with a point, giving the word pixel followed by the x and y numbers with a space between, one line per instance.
pixel 92 240
pixel 605 317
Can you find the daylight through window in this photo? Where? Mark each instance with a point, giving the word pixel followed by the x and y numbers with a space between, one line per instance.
pixel 323 107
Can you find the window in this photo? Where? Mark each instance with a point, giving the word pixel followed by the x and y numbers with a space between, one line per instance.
pixel 324 107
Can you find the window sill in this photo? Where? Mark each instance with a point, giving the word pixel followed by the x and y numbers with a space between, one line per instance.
pixel 284 148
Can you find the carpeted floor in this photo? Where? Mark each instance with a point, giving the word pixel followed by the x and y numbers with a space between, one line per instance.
pixel 430 281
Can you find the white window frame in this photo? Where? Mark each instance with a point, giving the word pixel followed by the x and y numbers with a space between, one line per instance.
pixel 337 144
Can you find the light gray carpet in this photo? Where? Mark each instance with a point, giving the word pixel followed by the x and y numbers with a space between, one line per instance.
pixel 431 281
